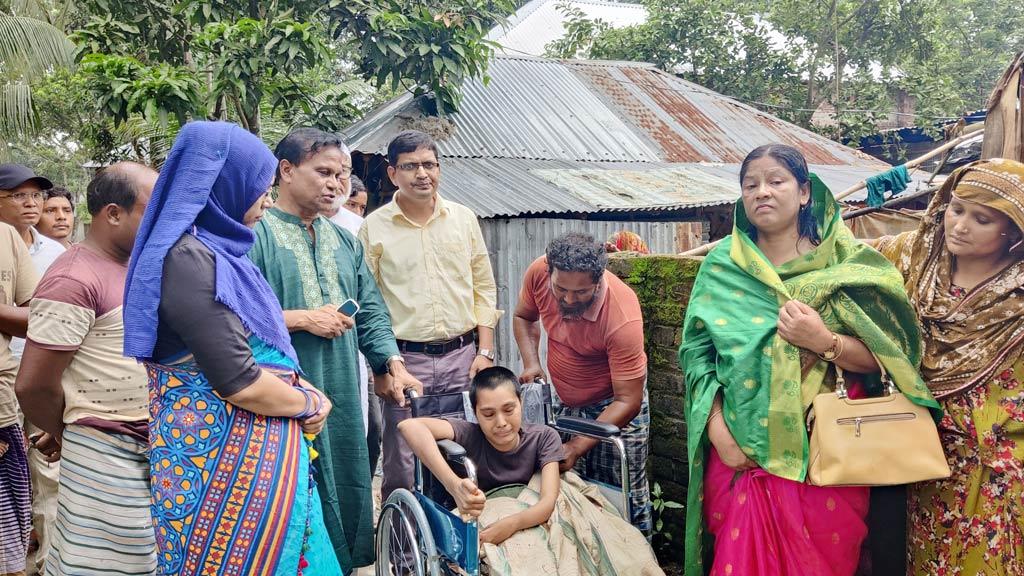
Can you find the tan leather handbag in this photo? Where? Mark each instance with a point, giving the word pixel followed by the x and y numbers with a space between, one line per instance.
pixel 872 441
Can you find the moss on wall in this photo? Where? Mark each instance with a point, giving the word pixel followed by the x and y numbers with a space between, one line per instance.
pixel 662 284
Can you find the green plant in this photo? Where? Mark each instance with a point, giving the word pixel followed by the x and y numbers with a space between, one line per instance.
pixel 659 503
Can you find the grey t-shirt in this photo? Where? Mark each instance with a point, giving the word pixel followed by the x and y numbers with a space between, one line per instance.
pixel 538 445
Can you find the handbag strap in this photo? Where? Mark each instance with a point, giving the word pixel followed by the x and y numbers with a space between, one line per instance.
pixel 890 387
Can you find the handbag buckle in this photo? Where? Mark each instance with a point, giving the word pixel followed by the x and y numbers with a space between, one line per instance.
pixel 841 386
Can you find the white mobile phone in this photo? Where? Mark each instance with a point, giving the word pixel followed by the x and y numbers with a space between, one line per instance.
pixel 349 307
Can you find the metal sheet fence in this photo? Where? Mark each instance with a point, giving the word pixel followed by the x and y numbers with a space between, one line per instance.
pixel 515 243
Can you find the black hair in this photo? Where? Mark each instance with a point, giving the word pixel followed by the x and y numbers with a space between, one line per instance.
pixel 302 143
pixel 792 160
pixel 410 141
pixel 577 252
pixel 60 192
pixel 490 379
pixel 357 185
pixel 113 185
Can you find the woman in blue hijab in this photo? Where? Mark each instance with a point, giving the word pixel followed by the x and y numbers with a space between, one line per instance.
pixel 231 478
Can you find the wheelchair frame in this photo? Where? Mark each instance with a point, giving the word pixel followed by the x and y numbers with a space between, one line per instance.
pixel 419 518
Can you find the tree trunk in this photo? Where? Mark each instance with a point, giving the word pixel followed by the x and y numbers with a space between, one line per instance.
pixel 252 120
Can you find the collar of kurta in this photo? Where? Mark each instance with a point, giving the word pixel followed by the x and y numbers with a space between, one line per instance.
pixel 394 211
pixel 292 218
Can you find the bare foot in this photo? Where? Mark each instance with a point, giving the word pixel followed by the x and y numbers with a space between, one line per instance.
pixel 3 448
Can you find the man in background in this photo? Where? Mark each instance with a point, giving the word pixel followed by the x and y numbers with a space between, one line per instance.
pixel 57 222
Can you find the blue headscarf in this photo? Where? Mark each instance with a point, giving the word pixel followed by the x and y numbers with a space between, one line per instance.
pixel 213 174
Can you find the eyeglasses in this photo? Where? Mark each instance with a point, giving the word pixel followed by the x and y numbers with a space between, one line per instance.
pixel 21 197
pixel 415 166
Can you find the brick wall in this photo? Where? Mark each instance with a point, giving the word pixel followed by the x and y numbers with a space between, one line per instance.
pixel 663 285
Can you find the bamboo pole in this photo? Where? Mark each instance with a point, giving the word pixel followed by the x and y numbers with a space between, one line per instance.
pixel 969 133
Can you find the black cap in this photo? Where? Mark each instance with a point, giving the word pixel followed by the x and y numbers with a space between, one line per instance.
pixel 14 175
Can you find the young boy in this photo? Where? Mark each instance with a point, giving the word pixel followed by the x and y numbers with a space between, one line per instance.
pixel 504 449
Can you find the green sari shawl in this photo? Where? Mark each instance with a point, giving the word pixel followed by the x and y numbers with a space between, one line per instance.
pixel 731 345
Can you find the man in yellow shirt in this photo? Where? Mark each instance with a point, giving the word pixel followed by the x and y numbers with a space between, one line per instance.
pixel 430 262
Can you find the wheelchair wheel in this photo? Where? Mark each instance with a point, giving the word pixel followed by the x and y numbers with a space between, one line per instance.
pixel 405 546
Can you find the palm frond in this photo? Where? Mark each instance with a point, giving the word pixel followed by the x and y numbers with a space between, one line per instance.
pixel 17 116
pixel 30 47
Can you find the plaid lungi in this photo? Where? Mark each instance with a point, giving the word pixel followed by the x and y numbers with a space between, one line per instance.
pixel 602 463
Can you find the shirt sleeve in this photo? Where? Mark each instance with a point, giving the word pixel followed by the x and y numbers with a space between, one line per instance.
pixel 25 270
pixel 376 336
pixel 528 293
pixel 372 260
pixel 463 431
pixel 549 447
pixel 485 291
pixel 62 313
pixel 211 331
pixel 626 357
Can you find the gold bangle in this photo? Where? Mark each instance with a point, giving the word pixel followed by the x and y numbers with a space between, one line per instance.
pixel 713 414
pixel 841 346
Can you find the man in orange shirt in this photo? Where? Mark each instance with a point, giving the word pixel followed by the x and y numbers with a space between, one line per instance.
pixel 595 356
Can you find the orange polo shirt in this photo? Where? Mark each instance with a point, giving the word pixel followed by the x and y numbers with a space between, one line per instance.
pixel 585 354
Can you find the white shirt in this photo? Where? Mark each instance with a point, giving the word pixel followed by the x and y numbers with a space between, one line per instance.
pixel 43 251
pixel 351 221
pixel 348 220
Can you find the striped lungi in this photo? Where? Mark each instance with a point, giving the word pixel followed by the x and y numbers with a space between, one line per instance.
pixel 104 524
pixel 15 502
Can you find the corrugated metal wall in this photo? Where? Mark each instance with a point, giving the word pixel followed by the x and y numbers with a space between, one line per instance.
pixel 515 243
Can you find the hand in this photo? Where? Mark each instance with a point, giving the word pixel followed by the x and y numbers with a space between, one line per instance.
pixel 531 373
pixel 48 446
pixel 327 322
pixel 315 424
pixel 404 381
pixel 801 325
pixel 572 454
pixel 479 363
pixel 468 498
pixel 498 532
pixel 725 444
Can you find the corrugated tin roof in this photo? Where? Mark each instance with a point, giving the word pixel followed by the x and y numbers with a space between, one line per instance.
pixel 540 22
pixel 496 187
pixel 543 133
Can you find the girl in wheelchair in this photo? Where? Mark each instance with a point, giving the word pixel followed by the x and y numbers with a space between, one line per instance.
pixel 504 448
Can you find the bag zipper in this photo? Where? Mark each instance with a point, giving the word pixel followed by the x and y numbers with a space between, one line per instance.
pixel 858 420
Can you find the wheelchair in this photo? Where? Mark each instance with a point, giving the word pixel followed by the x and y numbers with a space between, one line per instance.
pixel 417 535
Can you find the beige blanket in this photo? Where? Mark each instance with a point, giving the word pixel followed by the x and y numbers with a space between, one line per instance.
pixel 585 536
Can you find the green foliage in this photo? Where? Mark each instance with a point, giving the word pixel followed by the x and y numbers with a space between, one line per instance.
pixel 659 504
pixel 435 45
pixel 282 60
pixel 580 32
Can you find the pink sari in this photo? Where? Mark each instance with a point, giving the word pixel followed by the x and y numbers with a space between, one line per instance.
pixel 767 525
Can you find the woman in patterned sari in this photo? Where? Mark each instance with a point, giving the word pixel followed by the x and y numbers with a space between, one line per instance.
pixel 964 272
pixel 787 290
pixel 231 479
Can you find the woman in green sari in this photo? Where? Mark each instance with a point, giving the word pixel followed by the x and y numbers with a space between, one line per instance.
pixel 774 306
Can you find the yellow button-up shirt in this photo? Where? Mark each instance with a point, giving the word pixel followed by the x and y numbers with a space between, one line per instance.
pixel 436 278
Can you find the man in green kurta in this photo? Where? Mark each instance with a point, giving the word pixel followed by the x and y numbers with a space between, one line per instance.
pixel 313 267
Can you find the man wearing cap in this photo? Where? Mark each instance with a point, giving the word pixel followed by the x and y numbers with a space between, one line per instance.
pixel 21 204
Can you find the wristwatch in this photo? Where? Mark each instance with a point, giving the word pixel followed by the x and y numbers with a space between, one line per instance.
pixel 486 353
pixel 395 358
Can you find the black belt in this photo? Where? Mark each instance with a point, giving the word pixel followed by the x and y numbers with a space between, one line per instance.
pixel 437 348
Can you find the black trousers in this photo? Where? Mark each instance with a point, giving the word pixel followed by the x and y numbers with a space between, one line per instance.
pixel 887 531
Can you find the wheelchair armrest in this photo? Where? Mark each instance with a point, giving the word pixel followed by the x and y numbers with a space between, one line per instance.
pixel 586 427
pixel 451 450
